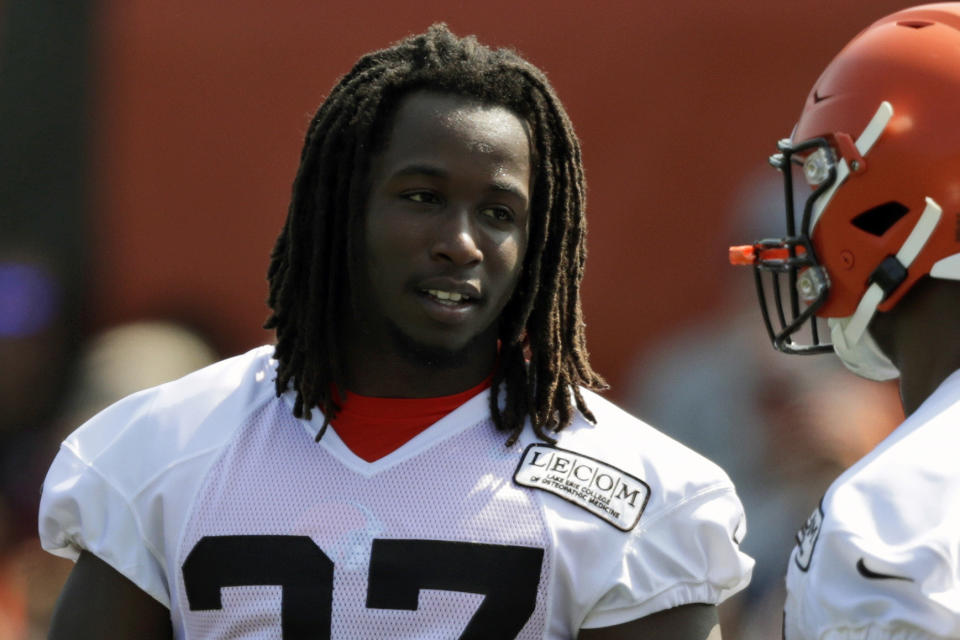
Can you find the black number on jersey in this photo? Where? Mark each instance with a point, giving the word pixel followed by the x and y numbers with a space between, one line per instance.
pixel 507 575
pixel 296 563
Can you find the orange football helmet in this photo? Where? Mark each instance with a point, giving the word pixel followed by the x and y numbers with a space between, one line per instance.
pixel 878 142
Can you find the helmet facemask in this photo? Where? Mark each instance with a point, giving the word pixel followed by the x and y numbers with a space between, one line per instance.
pixel 791 284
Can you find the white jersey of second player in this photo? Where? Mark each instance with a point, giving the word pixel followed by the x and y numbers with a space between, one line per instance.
pixel 213 498
pixel 880 558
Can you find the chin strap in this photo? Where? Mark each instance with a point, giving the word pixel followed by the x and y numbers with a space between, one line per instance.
pixel 864 358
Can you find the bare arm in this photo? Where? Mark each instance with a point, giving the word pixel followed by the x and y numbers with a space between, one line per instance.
pixel 98 602
pixel 688 622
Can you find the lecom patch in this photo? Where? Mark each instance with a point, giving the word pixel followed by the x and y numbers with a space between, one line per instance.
pixel 602 489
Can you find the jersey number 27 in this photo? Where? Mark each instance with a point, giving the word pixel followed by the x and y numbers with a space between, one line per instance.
pixel 507 575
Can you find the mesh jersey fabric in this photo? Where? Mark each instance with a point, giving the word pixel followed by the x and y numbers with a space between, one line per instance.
pixel 207 492
pixel 880 557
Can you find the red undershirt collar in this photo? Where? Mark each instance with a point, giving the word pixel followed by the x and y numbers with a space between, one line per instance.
pixel 374 427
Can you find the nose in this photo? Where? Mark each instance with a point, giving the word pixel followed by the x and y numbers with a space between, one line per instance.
pixel 456 239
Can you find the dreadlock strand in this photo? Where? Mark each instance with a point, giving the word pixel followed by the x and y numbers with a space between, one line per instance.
pixel 324 274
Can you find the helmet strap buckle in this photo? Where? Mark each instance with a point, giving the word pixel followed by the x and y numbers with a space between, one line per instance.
pixel 889 275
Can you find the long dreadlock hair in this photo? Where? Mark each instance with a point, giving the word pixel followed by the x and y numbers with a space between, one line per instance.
pixel 543 355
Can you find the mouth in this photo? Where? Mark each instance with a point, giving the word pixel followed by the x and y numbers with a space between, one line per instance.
pixel 450 291
pixel 449 298
pixel 448 301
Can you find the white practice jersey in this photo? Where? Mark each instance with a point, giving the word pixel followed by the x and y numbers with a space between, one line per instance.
pixel 212 497
pixel 880 558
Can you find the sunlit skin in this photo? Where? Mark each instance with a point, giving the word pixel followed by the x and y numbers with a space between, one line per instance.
pixel 447 213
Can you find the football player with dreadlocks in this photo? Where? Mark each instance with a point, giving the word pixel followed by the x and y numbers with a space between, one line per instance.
pixel 422 454
pixel 875 253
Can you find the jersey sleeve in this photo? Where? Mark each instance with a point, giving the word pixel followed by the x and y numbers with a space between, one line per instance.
pixel 854 590
pixel 122 484
pixel 688 554
pixel 87 505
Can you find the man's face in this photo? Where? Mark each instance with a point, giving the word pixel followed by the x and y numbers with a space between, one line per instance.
pixel 446 227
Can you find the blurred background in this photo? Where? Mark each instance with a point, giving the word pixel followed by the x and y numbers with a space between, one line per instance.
pixel 147 151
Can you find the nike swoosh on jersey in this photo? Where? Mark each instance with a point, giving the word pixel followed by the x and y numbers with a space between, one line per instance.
pixel 873 575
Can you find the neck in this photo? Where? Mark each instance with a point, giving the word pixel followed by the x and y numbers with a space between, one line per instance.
pixel 406 371
pixel 920 377
pixel 920 337
pixel 398 378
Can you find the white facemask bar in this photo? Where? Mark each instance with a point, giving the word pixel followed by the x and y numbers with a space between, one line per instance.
pixel 866 140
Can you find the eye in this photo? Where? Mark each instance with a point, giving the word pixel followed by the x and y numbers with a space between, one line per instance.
pixel 500 214
pixel 423 197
